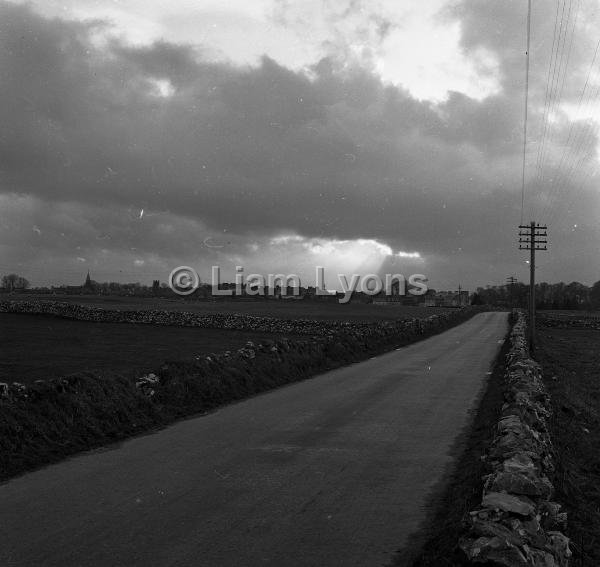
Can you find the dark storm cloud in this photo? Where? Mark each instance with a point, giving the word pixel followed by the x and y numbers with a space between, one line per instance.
pixel 500 28
pixel 109 129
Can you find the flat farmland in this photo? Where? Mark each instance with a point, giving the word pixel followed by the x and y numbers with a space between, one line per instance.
pixel 570 359
pixel 281 309
pixel 41 346
pixel 569 314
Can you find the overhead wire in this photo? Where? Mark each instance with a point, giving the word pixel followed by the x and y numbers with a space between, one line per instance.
pixel 557 99
pixel 547 90
pixel 526 109
pixel 574 134
pixel 549 103
pixel 584 136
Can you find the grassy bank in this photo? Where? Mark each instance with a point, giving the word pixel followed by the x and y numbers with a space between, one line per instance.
pixel 570 359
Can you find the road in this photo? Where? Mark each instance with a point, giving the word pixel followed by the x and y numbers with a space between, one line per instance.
pixel 334 470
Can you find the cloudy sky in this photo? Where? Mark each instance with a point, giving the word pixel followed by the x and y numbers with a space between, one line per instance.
pixel 359 135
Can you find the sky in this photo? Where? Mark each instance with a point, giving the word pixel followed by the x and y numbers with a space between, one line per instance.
pixel 364 136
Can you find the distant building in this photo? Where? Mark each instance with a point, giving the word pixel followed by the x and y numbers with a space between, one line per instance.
pixel 88 282
pixel 448 299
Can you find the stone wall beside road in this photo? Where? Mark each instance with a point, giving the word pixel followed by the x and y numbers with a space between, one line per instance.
pixel 517 522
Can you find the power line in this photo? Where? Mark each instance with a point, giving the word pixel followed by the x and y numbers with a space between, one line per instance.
pixel 547 90
pixel 558 88
pixel 577 138
pixel 526 108
pixel 574 155
pixel 564 74
pixel 563 220
pixel 551 93
pixel 583 138
pixel 581 156
pixel 560 77
pixel 577 166
pixel 587 133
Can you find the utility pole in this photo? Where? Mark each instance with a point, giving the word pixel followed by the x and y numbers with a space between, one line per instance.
pixel 511 281
pixel 529 239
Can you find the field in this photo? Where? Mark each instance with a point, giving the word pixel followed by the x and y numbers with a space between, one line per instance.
pixel 282 309
pixel 39 346
pixel 571 362
pixel 569 315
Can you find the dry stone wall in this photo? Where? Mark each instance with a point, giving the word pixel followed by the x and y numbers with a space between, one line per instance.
pixel 517 522
pixel 237 321
pixel 571 322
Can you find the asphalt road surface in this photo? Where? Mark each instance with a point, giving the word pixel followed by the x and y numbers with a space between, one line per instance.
pixel 330 471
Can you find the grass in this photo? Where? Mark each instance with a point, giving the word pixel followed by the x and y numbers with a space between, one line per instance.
pixel 569 314
pixel 570 359
pixel 41 346
pixel 282 309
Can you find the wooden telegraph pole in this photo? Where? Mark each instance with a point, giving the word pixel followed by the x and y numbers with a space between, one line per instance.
pixel 529 239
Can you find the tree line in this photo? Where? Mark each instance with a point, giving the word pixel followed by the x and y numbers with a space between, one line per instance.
pixel 12 282
pixel 574 295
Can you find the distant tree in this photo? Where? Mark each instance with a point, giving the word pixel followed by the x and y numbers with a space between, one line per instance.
pixel 595 294
pixel 570 303
pixel 155 287
pixel 576 295
pixel 476 299
pixel 8 282
pixel 14 281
